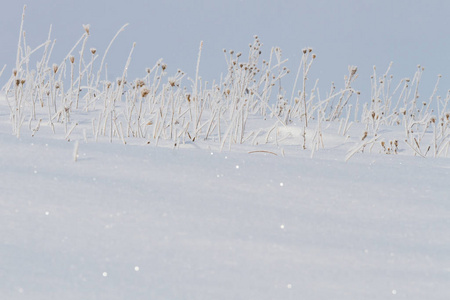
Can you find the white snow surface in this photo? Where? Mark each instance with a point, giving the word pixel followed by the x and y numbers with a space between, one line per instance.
pixel 143 222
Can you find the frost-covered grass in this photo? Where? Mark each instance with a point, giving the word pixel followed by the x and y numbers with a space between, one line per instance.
pixel 76 98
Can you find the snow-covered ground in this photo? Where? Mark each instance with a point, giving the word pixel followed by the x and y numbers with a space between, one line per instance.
pixel 144 222
pixel 166 187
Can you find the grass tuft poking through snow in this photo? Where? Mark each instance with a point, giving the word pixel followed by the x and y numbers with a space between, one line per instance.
pixel 248 106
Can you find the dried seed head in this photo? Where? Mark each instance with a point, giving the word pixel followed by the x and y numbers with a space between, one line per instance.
pixel 172 81
pixel 148 70
pixel 364 136
pixel 140 83
pixel 86 28
pixel 55 68
pixel 22 82
pixel 188 97
pixel 93 50
pixel 57 85
pixel 304 51
pixel 17 82
pixel 373 115
pixel 163 67
pixel 145 92
pixel 72 59
pixel 314 56
pixel 15 73
pixel 433 119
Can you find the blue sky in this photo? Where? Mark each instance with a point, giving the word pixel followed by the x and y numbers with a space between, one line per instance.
pixel 342 33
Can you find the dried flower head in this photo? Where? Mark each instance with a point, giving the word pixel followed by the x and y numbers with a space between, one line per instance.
pixel 145 92
pixel 86 28
pixel 72 59
pixel 93 51
pixel 140 83
pixel 55 68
